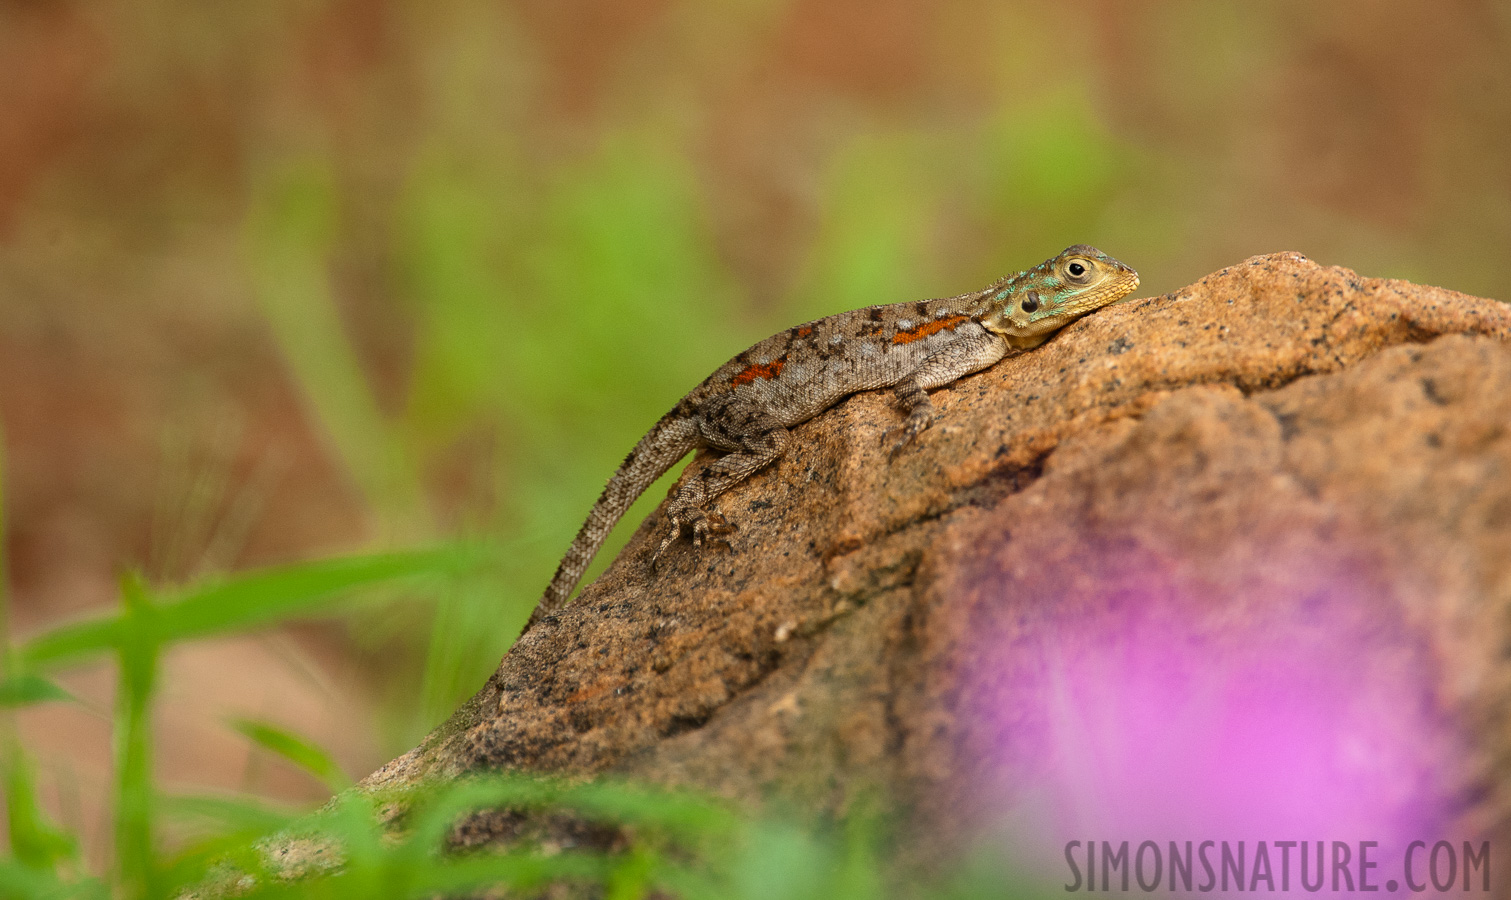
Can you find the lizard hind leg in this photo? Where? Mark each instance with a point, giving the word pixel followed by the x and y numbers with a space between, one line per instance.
pixel 759 444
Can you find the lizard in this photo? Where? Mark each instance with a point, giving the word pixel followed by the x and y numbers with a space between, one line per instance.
pixel 747 406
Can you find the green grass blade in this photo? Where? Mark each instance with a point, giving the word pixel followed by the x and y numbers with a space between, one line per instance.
pixel 289 231
pixel 21 883
pixel 227 813
pixel 250 601
pixel 637 804
pixel 263 598
pixel 135 822
pixel 29 689
pixel 232 829
pixel 34 841
pixel 434 809
pixel 520 870
pixel 302 753
pixel 72 641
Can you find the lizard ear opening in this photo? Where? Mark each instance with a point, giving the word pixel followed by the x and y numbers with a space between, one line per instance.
pixel 1013 315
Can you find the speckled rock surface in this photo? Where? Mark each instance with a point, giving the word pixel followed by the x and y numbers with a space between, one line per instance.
pixel 1283 461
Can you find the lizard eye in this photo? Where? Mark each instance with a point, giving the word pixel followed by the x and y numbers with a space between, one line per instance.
pixel 1077 271
pixel 1030 302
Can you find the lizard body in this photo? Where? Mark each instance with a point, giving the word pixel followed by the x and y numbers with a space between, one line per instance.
pixel 746 407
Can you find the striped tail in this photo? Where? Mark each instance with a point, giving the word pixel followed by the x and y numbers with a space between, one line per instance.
pixel 666 443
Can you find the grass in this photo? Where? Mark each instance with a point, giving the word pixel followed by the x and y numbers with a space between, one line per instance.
pixel 44 859
pixel 681 843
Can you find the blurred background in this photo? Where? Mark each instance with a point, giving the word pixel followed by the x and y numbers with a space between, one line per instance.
pixel 295 278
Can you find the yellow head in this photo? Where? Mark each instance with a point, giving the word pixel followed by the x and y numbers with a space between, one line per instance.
pixel 1030 306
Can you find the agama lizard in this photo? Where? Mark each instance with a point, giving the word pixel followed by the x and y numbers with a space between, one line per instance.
pixel 747 405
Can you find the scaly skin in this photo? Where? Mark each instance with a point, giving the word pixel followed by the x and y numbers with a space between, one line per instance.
pixel 746 407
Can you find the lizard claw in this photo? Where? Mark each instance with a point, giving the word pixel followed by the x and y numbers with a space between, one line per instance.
pixel 666 542
pixel 904 435
pixel 712 527
pixel 706 526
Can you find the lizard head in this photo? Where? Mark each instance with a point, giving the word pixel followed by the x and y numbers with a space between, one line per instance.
pixel 1029 307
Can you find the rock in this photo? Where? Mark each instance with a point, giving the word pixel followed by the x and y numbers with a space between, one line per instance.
pixel 1233 561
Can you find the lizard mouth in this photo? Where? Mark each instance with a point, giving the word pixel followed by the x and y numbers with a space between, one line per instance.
pixel 1107 294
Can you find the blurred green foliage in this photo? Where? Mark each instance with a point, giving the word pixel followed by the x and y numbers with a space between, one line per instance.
pixel 165 845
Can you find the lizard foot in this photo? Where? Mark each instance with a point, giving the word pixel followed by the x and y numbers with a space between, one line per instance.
pixel 706 526
pixel 905 434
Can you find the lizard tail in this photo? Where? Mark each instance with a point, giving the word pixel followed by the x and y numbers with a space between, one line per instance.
pixel 666 443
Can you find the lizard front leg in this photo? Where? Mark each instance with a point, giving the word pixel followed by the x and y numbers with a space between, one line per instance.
pixel 754 441
pixel 942 367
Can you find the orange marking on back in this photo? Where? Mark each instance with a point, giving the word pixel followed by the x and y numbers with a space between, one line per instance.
pixel 767 370
pixel 928 328
pixel 804 331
